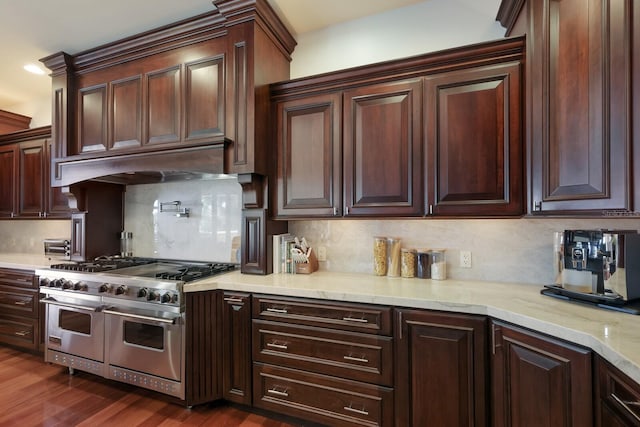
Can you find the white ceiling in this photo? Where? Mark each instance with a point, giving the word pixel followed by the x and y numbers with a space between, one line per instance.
pixel 34 29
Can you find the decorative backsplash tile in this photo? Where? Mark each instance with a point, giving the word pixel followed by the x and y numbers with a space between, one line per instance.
pixel 26 236
pixel 503 250
pixel 211 232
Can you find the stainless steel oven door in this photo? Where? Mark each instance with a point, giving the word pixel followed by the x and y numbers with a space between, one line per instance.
pixel 76 328
pixel 147 342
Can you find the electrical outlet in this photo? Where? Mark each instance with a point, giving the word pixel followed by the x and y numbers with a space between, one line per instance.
pixel 465 259
pixel 322 253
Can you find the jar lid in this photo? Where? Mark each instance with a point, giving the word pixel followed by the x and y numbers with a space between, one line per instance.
pixel 407 250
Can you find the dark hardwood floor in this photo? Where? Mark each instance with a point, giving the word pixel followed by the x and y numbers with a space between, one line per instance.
pixel 34 393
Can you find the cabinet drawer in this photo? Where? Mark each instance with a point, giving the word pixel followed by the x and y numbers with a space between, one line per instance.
pixel 18 331
pixel 18 278
pixel 619 393
pixel 320 398
pixel 337 315
pixel 18 301
pixel 361 357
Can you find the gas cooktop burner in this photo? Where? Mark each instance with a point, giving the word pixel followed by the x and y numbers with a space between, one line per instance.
pixel 101 264
pixel 189 273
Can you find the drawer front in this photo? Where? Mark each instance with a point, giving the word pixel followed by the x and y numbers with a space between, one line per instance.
pixel 17 278
pixel 319 398
pixel 337 315
pixel 619 393
pixel 17 301
pixel 361 357
pixel 19 332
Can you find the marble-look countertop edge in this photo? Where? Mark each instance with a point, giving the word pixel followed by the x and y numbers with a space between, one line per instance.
pixel 614 336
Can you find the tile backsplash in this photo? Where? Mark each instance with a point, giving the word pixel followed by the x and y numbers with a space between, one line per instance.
pixel 26 236
pixel 211 232
pixel 503 250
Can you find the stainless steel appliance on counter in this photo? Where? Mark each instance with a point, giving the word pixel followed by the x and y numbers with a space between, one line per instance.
pixel 122 318
pixel 57 248
pixel 600 267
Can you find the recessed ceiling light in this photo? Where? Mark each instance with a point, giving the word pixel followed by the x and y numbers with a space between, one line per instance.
pixel 34 69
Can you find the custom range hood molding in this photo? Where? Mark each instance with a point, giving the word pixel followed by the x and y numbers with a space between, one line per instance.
pixel 180 100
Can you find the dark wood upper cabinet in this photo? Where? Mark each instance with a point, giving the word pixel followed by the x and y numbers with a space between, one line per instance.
pixel 309 144
pixel 25 189
pixel 538 380
pixel 383 150
pixel 437 134
pixel 32 178
pixel 8 180
pixel 582 103
pixel 473 135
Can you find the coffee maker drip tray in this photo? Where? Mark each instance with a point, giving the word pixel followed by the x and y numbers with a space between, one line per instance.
pixel 609 300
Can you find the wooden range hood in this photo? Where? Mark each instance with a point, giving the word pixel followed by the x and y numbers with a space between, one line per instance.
pixel 187 100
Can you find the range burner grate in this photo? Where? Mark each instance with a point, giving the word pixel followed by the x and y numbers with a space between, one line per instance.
pixel 190 273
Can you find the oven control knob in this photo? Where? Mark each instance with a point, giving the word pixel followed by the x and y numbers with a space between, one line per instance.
pixel 142 293
pixel 153 296
pixel 121 290
pixel 44 281
pixel 80 286
pixel 57 283
pixel 105 287
pixel 165 298
pixel 66 284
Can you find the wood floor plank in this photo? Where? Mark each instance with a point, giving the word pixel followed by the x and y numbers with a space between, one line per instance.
pixel 37 394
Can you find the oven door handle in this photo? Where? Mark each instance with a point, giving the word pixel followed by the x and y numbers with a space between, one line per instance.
pixel 142 317
pixel 54 301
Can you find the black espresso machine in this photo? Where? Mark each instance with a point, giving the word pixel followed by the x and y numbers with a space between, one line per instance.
pixel 598 267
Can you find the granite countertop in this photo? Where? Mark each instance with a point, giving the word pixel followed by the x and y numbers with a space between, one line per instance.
pixel 613 335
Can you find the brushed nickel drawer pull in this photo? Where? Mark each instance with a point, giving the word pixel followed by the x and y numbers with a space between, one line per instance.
pixel 277 310
pixel 21 333
pixel 355 319
pixel 356 359
pixel 20 303
pixel 357 411
pixel 275 344
pixel 233 300
pixel 277 392
pixel 625 405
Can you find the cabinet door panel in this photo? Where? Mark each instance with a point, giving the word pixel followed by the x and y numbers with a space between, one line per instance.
pixel 236 347
pixel 126 113
pixel 8 183
pixel 205 86
pixel 539 381
pixel 32 178
pixel 92 123
pixel 580 74
pixel 474 141
pixel 441 369
pixel 163 104
pixel 382 149
pixel 309 157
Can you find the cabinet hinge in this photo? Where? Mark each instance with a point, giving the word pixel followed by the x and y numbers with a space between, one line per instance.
pixel 537 206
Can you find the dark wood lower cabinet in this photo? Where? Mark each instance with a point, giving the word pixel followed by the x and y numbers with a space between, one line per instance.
pixel 321 398
pixel 203 346
pixel 20 321
pixel 236 347
pixel 539 381
pixel 441 369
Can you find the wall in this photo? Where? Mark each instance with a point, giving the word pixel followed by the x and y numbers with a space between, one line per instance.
pixel 25 236
pixel 424 27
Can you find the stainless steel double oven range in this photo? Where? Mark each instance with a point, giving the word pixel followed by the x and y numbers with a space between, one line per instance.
pixel 121 318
